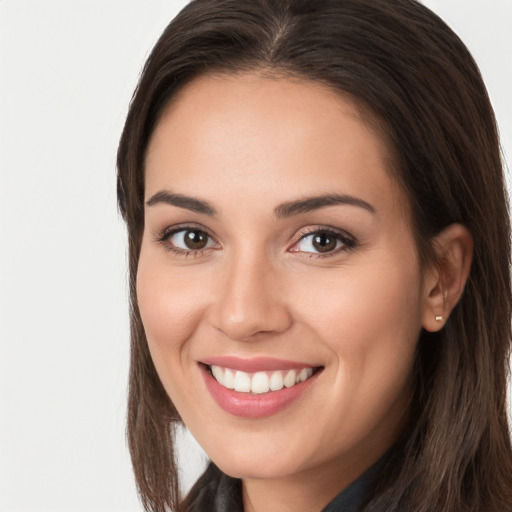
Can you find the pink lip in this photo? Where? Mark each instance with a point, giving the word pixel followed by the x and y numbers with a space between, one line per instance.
pixel 247 405
pixel 253 365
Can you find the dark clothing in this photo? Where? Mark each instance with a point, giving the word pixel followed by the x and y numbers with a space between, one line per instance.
pixel 221 493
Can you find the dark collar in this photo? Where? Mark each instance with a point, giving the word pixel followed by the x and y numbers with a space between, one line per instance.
pixel 355 495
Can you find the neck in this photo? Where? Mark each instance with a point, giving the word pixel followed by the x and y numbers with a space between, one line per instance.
pixel 309 490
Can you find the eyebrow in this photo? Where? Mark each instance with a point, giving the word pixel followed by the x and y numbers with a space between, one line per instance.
pixel 284 210
pixel 309 204
pixel 182 201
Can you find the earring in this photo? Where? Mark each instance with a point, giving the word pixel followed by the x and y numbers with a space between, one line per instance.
pixel 439 318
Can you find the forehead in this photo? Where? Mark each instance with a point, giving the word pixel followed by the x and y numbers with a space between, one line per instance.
pixel 254 132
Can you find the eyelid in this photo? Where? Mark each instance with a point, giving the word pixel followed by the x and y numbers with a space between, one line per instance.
pixel 162 234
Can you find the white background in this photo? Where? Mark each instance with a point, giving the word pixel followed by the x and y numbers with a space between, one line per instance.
pixel 67 72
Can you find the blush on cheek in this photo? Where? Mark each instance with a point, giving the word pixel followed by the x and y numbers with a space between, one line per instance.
pixel 167 319
pixel 368 316
pixel 158 298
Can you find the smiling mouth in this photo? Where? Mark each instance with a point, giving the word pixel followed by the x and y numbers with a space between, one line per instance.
pixel 260 382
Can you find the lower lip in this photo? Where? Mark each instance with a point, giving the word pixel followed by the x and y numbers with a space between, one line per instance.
pixel 248 405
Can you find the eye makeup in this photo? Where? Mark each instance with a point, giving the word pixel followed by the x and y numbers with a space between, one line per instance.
pixel 314 241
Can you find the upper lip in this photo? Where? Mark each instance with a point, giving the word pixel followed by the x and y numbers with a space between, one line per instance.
pixel 256 364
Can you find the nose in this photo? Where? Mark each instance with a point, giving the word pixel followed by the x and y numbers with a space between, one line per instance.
pixel 249 301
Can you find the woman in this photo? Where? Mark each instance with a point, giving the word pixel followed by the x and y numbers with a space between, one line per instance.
pixel 319 262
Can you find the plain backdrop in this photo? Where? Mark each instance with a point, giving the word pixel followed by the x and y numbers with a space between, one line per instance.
pixel 67 72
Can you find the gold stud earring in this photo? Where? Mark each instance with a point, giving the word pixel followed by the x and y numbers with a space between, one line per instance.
pixel 439 318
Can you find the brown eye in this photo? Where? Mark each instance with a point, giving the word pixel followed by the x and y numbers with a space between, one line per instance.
pixel 195 239
pixel 188 240
pixel 324 242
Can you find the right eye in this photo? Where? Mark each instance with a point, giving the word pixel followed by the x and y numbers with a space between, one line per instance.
pixel 191 239
pixel 187 241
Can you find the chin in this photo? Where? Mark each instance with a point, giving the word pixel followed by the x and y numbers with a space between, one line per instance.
pixel 257 458
pixel 258 470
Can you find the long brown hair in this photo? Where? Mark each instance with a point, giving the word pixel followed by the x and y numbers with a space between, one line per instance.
pixel 401 62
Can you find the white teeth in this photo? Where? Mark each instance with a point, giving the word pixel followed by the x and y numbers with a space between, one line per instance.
pixel 259 382
pixel 229 378
pixel 242 382
pixel 290 379
pixel 217 373
pixel 276 381
pixel 304 374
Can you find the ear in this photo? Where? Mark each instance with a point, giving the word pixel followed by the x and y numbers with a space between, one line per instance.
pixel 445 280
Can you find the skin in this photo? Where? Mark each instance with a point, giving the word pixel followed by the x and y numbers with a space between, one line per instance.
pixel 246 144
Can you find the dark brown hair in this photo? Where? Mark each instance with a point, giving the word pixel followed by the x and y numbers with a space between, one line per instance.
pixel 401 62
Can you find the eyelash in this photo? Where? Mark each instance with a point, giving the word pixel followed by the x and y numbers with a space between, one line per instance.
pixel 164 237
pixel 348 241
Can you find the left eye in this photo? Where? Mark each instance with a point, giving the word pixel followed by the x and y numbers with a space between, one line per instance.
pixel 191 240
pixel 320 242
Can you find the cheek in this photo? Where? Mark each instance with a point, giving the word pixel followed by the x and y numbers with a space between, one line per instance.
pixel 370 322
pixel 370 318
pixel 378 300
pixel 170 309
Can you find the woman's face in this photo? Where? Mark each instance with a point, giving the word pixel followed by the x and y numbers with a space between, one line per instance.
pixel 278 247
